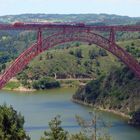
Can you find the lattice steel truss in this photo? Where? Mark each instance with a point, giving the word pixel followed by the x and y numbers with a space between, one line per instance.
pixel 69 33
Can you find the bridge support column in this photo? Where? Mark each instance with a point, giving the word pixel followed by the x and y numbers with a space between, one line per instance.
pixel 112 36
pixel 39 40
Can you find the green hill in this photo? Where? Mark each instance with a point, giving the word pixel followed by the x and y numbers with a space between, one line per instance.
pixel 74 62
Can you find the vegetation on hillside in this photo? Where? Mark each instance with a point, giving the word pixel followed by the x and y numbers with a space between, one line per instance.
pixel 82 62
pixel 119 91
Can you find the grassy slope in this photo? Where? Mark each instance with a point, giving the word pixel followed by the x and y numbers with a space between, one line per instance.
pixel 64 62
pixel 130 43
pixel 12 85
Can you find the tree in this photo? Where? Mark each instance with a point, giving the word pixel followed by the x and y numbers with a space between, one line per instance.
pixel 98 72
pixel 97 63
pixel 136 118
pixel 51 56
pixel 78 62
pixel 56 131
pixel 78 136
pixel 11 124
pixel 77 44
pixel 132 44
pixel 71 52
pixel 45 83
pixel 92 54
pixel 78 53
pixel 40 58
pixel 3 66
pixel 91 129
pixel 102 52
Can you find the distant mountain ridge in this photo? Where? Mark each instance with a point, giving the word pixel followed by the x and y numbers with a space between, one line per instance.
pixel 87 18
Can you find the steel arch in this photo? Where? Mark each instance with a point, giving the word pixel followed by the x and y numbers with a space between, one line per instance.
pixel 64 37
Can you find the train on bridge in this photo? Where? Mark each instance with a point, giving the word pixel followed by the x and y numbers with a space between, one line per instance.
pixel 18 24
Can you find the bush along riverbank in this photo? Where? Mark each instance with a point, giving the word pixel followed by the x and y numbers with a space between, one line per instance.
pixel 25 85
pixel 118 92
pixel 43 84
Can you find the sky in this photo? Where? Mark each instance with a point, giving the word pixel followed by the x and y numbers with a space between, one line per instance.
pixel 119 7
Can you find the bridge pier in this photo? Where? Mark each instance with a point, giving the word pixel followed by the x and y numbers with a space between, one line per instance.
pixel 39 40
pixel 112 36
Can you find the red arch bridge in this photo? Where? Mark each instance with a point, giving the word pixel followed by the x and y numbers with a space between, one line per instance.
pixel 68 32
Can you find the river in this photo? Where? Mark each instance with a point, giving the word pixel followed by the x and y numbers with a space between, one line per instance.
pixel 40 107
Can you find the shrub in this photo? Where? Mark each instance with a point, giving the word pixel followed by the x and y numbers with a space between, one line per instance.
pixel 45 83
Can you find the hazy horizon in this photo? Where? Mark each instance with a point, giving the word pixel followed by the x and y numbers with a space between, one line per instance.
pixel 129 8
pixel 68 14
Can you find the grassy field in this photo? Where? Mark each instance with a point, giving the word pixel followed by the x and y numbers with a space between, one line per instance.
pixel 12 85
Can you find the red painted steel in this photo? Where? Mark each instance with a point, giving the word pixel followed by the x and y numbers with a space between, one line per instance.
pixel 39 39
pixel 36 26
pixel 70 32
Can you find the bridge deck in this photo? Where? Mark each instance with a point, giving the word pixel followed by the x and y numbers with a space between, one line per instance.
pixel 36 26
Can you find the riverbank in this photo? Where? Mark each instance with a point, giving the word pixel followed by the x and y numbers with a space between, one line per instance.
pixel 15 85
pixel 128 117
pixel 20 89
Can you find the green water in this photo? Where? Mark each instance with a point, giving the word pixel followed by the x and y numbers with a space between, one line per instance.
pixel 40 107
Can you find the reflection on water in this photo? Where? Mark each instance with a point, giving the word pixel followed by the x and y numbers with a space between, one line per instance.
pixel 40 107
